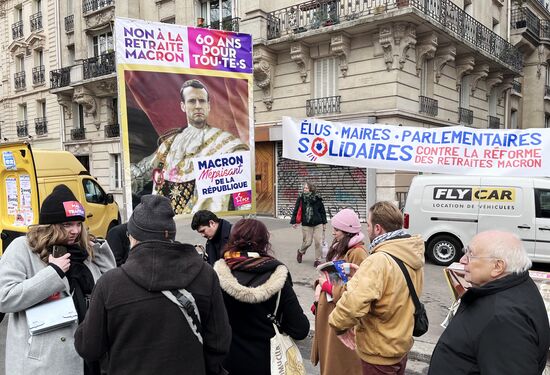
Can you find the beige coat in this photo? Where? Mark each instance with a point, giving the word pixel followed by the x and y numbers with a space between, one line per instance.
pixel 377 301
pixel 327 349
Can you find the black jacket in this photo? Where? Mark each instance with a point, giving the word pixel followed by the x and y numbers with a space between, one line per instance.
pixel 214 247
pixel 317 212
pixel 141 329
pixel 500 328
pixel 249 298
pixel 118 241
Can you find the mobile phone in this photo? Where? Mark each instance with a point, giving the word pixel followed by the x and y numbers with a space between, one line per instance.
pixel 58 251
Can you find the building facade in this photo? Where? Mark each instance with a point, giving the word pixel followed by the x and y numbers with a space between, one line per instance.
pixel 425 63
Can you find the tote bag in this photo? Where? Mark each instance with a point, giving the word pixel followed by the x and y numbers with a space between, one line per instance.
pixel 285 355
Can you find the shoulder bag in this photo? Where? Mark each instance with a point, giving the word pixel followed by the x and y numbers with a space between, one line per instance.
pixel 285 355
pixel 420 317
pixel 188 307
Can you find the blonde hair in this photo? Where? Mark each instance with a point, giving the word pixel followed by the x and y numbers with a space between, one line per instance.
pixel 387 215
pixel 42 237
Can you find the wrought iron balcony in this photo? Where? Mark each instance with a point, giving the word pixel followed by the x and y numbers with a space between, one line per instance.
pixel 494 122
pixel 17 30
pixel 19 79
pixel 546 91
pixel 319 106
pixel 69 23
pixel 227 25
pixel 78 134
pixel 41 125
pixel 22 128
pixel 60 77
pixel 465 116
pixel 444 14
pixel 428 106
pixel 38 75
pixel 89 6
pixel 99 66
pixel 523 18
pixel 112 130
pixel 36 21
pixel 516 87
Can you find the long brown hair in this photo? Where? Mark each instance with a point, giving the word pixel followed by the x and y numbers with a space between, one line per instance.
pixel 249 235
pixel 42 237
pixel 338 249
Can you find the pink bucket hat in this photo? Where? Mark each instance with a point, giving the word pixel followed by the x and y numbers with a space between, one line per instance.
pixel 347 221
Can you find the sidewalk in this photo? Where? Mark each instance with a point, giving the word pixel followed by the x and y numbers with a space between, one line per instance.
pixel 285 240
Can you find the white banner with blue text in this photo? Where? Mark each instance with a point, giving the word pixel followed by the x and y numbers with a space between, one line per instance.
pixel 454 150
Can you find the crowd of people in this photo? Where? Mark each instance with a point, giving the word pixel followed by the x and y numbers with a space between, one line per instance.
pixel 148 304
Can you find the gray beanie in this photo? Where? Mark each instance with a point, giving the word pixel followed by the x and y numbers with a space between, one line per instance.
pixel 153 219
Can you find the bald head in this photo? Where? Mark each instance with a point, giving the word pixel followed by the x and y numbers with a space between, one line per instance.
pixel 503 245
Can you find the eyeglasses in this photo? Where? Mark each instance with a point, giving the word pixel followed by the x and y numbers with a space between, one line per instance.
pixel 468 254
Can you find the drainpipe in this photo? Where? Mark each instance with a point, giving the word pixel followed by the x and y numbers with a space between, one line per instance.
pixel 58 58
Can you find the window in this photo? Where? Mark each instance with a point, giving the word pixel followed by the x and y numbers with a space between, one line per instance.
pixel 496 26
pixel 116 168
pixel 93 192
pixel 542 203
pixel 22 112
pixel 325 73
pixel 19 13
pixel 214 11
pixel 70 7
pixel 78 117
pixel 40 108
pixel 84 160
pixel 20 63
pixel 103 43
pixel 169 20
pixel 547 120
pixel 426 78
pixel 514 119
pixel 468 7
pixel 493 102
pixel 464 92
pixel 70 55
pixel 38 58
pixel 38 6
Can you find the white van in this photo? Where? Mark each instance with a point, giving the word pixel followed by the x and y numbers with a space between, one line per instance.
pixel 449 210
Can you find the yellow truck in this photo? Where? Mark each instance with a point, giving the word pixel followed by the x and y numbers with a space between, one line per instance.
pixel 28 175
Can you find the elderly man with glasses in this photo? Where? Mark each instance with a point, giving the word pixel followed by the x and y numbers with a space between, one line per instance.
pixel 501 326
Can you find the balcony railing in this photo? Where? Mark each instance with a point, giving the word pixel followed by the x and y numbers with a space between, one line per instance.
pixel 41 126
pixel 546 91
pixel 227 25
pixel 112 130
pixel 78 134
pixel 428 106
pixel 22 128
pixel 465 116
pixel 443 13
pixel 60 77
pixel 523 18
pixel 93 5
pixel 69 23
pixel 516 86
pixel 99 65
pixel 36 21
pixel 17 30
pixel 494 122
pixel 319 106
pixel 38 75
pixel 19 79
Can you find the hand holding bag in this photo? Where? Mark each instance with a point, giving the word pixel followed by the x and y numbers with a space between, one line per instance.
pixel 286 358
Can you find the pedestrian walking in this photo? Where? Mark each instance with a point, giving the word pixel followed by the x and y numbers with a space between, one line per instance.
pixel 30 274
pixel 251 280
pixel 327 350
pixel 375 313
pixel 215 230
pixel 501 325
pixel 309 211
pixel 162 311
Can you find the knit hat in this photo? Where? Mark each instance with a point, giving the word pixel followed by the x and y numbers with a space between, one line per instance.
pixel 61 206
pixel 153 219
pixel 347 221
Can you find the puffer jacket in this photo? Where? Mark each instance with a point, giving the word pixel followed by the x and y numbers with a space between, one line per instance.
pixel 378 304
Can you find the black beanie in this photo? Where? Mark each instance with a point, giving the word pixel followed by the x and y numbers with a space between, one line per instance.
pixel 153 219
pixel 61 206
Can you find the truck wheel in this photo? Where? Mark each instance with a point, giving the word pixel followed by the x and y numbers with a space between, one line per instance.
pixel 443 250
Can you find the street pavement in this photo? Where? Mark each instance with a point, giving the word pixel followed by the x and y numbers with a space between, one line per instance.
pixel 285 241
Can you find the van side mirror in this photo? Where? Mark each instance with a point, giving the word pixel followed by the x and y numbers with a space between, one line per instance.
pixel 109 198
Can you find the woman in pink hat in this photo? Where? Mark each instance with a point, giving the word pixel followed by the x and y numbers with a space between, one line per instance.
pixel 334 357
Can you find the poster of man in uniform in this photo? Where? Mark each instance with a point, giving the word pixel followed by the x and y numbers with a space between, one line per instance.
pixel 186 115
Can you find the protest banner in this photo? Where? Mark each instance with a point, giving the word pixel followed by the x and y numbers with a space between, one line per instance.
pixel 185 98
pixel 454 150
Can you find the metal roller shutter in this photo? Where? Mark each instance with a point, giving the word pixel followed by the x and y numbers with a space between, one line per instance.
pixel 340 187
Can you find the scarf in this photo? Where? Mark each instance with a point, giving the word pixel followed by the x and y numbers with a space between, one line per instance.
pixel 307 208
pixel 249 261
pixel 387 236
pixel 81 281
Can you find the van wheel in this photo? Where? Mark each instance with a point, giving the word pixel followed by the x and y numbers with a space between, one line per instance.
pixel 443 250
